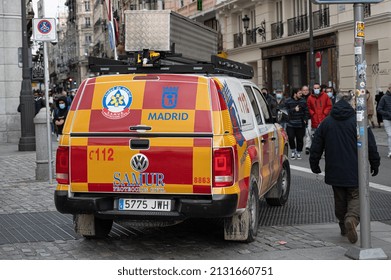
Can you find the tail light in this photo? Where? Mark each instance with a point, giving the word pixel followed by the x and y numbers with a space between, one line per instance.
pixel 223 167
pixel 62 165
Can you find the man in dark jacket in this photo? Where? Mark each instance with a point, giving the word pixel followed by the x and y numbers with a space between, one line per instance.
pixel 337 137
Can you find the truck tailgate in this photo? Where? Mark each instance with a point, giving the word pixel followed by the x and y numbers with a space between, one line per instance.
pixel 141 165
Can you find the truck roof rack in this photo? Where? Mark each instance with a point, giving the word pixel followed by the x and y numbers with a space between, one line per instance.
pixel 161 62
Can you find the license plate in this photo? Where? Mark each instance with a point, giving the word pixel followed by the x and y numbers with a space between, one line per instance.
pixel 144 204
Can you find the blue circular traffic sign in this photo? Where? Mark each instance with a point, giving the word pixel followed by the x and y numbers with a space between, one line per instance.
pixel 44 26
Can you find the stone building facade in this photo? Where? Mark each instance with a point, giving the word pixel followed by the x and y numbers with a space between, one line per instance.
pixel 10 73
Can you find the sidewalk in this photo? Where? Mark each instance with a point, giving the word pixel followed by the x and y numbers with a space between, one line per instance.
pixel 21 193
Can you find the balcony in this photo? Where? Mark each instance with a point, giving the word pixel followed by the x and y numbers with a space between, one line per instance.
pixel 297 25
pixel 277 30
pixel 321 19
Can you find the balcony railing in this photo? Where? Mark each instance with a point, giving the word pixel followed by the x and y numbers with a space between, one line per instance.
pixel 251 36
pixel 238 40
pixel 277 30
pixel 321 18
pixel 297 25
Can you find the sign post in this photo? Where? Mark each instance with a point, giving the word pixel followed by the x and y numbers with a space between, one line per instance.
pixel 365 252
pixel 44 29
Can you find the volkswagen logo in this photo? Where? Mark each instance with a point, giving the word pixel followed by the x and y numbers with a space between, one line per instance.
pixel 139 162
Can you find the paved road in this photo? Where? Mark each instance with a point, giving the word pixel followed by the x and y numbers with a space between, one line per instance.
pixel 305 228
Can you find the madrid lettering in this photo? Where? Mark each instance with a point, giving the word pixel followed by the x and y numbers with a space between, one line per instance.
pixel 168 116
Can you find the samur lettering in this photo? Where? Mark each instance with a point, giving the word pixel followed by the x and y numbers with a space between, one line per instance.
pixel 142 182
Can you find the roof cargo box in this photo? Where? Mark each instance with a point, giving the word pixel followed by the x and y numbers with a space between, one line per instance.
pixel 160 30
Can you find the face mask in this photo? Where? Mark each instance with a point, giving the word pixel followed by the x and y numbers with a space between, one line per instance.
pixel 330 94
pixel 62 106
pixel 278 95
pixel 316 91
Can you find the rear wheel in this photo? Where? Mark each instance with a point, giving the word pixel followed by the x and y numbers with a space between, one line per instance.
pixel 253 213
pixel 244 226
pixel 279 194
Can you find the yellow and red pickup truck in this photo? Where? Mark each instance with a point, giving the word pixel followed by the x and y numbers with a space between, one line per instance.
pixel 167 147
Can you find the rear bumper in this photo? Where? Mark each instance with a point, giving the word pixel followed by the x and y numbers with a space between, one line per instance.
pixel 219 207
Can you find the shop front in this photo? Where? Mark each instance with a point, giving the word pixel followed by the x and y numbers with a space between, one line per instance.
pixel 286 66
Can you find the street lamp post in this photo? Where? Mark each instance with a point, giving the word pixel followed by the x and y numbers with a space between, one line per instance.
pixel 27 111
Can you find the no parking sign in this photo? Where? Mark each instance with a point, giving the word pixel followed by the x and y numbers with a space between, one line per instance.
pixel 44 29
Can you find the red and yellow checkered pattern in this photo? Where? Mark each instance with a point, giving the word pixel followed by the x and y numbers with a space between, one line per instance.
pixel 184 162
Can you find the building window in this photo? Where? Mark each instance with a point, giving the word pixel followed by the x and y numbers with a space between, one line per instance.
pixel 87 22
pixel 279 11
pixel 87 6
pixel 88 39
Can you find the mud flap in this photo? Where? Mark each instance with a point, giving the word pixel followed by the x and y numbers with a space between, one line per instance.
pixel 274 192
pixel 84 224
pixel 237 227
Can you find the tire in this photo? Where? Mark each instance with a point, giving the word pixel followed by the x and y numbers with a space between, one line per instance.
pixel 253 212
pixel 244 226
pixel 279 194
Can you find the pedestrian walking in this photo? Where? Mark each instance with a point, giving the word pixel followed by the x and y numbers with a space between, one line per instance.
pixel 308 135
pixel 378 96
pixel 336 136
pixel 319 106
pixel 384 109
pixel 39 102
pixel 296 107
pixel 60 115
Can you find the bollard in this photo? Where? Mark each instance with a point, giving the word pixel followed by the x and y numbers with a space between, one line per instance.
pixel 42 156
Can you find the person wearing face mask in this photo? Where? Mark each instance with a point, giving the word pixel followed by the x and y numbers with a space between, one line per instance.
pixel 319 106
pixel 60 115
pixel 308 136
pixel 330 93
pixel 295 128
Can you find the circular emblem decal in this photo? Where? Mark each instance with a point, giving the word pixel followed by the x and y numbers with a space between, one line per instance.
pixel 139 162
pixel 116 102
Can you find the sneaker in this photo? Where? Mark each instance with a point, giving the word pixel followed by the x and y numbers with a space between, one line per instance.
pixel 58 138
pixel 389 155
pixel 307 151
pixel 293 155
pixel 298 156
pixel 350 226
